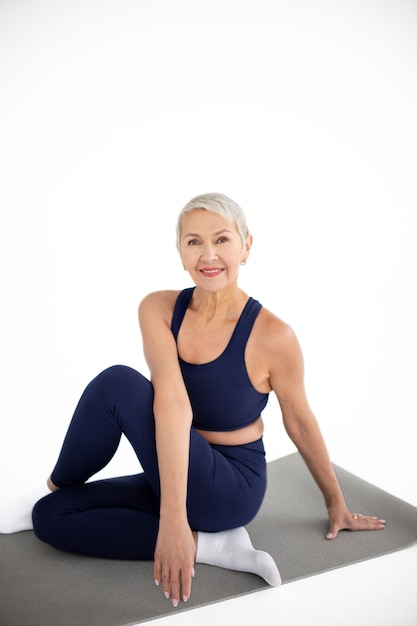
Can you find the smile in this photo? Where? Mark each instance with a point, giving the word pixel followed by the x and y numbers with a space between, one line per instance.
pixel 211 271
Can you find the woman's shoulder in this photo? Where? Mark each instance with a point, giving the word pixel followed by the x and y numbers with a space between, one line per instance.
pixel 159 302
pixel 161 297
pixel 271 321
pixel 274 332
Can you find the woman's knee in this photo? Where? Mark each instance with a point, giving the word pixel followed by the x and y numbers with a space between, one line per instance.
pixel 45 515
pixel 124 379
pixel 117 373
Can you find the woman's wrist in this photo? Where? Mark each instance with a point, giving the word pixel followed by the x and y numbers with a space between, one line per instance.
pixel 335 502
pixel 335 498
pixel 173 517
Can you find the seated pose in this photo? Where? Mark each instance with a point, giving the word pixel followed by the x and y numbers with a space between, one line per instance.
pixel 214 355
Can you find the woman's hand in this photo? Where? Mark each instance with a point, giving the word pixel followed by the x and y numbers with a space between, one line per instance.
pixel 174 560
pixel 340 518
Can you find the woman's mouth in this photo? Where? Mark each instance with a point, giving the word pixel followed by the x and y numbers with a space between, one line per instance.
pixel 210 272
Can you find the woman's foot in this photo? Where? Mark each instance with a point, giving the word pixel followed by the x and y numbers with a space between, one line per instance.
pixel 233 549
pixel 16 514
pixel 51 485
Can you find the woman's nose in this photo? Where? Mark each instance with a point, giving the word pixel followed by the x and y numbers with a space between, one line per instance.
pixel 208 253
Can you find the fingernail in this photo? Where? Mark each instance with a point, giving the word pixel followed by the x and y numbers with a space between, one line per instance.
pixel 329 536
pixel 175 603
pixel 193 572
pixel 156 582
pixel 166 594
pixel 184 598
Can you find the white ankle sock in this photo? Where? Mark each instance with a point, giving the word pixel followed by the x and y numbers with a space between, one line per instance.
pixel 16 512
pixel 233 549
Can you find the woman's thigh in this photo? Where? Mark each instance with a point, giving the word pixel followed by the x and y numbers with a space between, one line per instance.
pixel 226 484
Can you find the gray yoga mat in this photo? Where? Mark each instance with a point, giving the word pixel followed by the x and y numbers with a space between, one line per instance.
pixel 42 586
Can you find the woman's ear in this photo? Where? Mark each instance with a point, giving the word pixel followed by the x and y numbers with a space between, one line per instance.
pixel 248 245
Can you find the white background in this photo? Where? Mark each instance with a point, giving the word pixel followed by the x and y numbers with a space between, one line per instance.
pixel 113 114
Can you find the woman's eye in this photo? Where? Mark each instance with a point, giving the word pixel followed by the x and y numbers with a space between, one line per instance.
pixel 222 240
pixel 193 242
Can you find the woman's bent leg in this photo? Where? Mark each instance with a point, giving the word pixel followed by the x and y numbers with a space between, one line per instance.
pixel 119 400
pixel 119 518
pixel 114 518
pixel 226 484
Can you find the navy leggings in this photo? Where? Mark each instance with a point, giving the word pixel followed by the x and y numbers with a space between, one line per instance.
pixel 119 517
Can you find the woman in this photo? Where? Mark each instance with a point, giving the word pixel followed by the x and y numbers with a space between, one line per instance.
pixel 214 355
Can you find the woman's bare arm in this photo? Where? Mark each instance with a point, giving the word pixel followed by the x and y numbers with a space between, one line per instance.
pixel 287 380
pixel 175 550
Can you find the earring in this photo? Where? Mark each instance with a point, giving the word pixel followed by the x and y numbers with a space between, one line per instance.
pixel 243 262
pixel 185 268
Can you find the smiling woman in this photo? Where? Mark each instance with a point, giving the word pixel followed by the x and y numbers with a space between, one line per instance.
pixel 214 354
pixel 212 246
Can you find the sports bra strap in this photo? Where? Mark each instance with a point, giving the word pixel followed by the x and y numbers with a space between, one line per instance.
pixel 180 309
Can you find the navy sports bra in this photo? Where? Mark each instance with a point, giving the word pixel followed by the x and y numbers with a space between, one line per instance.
pixel 222 396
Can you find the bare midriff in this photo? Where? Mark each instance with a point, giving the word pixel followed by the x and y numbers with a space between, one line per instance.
pixel 240 437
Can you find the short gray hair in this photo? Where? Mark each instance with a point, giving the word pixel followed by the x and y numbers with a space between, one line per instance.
pixel 220 204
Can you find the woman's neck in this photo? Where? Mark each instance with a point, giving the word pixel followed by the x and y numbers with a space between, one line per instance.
pixel 222 304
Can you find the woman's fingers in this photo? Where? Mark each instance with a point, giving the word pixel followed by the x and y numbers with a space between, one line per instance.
pixel 176 584
pixel 366 522
pixel 352 521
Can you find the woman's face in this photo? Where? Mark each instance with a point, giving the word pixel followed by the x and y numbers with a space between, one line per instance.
pixel 211 249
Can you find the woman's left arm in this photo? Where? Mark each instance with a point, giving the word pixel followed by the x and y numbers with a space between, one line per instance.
pixel 287 381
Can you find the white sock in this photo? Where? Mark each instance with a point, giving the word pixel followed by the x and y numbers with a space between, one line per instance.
pixel 16 512
pixel 233 549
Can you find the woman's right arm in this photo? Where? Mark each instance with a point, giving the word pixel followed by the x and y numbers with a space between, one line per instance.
pixel 175 549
